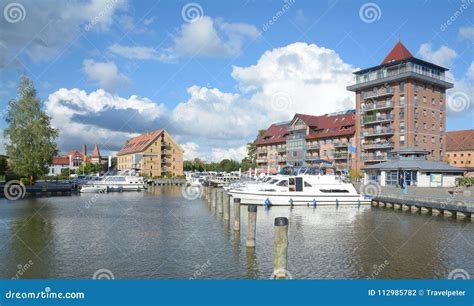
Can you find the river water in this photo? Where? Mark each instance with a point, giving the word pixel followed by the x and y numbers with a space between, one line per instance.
pixel 159 234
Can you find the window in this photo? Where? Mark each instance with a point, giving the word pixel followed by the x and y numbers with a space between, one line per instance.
pixel 432 114
pixel 424 112
pixel 402 87
pixel 432 127
pixel 432 141
pixel 402 140
pixel 433 101
pixel 424 100
pixel 424 139
pixel 402 101
pixel 416 100
pixel 424 125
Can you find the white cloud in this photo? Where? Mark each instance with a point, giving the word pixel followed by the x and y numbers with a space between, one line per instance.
pixel 100 117
pixel 209 37
pixel 191 151
pixel 470 71
pixel 213 124
pixel 50 25
pixel 466 33
pixel 106 74
pixel 238 154
pixel 444 56
pixel 148 21
pixel 135 52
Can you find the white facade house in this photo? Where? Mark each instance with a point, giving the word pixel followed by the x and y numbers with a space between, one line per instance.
pixel 412 167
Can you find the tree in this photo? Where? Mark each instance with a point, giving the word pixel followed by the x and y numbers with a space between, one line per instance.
pixel 3 165
pixel 31 138
pixel 252 148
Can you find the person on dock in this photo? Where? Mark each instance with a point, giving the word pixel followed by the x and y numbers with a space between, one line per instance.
pixel 401 181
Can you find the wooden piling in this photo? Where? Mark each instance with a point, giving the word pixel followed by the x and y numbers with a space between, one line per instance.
pixel 236 214
pixel 251 226
pixel 220 201
pixel 214 198
pixel 227 200
pixel 281 248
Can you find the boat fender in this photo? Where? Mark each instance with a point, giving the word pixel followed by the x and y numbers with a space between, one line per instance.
pixel 268 203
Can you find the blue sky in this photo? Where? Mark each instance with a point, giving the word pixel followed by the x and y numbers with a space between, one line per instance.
pixel 214 72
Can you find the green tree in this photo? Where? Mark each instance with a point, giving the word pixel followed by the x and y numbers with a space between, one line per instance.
pixel 30 136
pixel 252 148
pixel 3 165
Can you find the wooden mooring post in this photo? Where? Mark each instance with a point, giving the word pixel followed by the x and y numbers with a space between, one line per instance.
pixel 220 201
pixel 251 226
pixel 281 248
pixel 236 214
pixel 227 199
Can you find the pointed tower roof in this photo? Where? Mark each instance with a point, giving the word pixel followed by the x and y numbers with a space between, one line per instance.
pixel 96 152
pixel 398 53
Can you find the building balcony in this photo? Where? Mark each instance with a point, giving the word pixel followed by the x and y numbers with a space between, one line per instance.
pixel 296 128
pixel 374 158
pixel 165 168
pixel 282 150
pixel 281 158
pixel 377 106
pixel 165 145
pixel 261 160
pixel 377 145
pixel 371 119
pixel 340 145
pixel 388 91
pixel 378 132
pixel 165 161
pixel 165 152
pixel 311 147
pixel 311 156
pixel 341 156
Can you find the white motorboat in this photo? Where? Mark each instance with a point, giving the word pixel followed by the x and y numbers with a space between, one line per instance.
pixel 324 188
pixel 122 181
pixel 93 189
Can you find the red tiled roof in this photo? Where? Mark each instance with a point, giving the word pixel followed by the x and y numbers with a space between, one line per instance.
pixel 96 152
pixel 74 153
pixel 139 143
pixel 398 53
pixel 61 160
pixel 276 133
pixel 330 126
pixel 460 140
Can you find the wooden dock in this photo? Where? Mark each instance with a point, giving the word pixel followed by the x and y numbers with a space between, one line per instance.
pixel 167 182
pixel 18 191
pixel 456 207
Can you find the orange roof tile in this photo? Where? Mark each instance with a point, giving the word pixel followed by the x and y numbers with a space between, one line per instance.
pixel 398 53
pixel 460 140
pixel 139 143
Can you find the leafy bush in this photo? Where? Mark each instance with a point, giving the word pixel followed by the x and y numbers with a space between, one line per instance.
pixel 465 181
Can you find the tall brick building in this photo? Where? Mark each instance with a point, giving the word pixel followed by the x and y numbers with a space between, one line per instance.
pixel 400 103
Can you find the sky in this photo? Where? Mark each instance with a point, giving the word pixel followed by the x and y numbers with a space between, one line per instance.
pixel 215 72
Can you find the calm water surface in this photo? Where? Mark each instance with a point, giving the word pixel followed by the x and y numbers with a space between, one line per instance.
pixel 160 235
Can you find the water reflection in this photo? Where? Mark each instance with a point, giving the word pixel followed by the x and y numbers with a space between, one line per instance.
pixel 160 234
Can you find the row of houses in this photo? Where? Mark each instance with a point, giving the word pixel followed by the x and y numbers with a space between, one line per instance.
pixel 399 116
pixel 152 154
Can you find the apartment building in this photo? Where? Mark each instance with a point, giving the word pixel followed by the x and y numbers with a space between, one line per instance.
pixel 152 154
pixel 460 150
pixel 307 140
pixel 400 104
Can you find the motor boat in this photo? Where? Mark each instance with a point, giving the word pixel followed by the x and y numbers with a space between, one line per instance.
pixel 121 181
pixel 93 189
pixel 314 186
